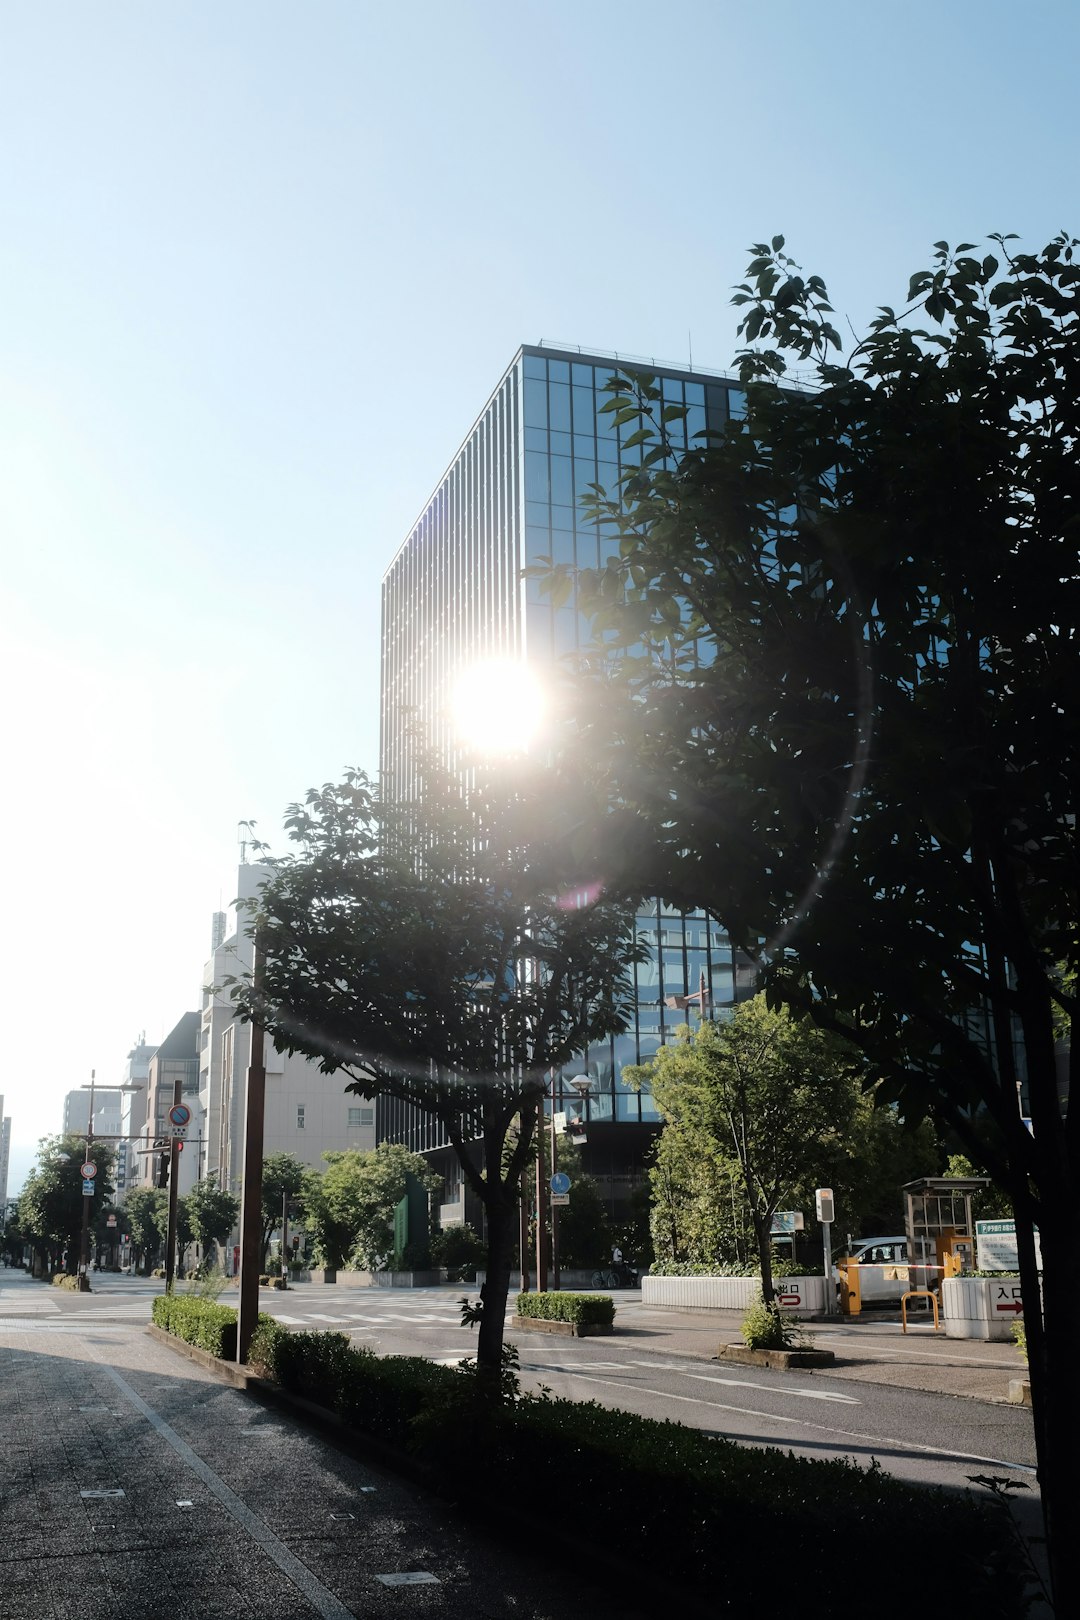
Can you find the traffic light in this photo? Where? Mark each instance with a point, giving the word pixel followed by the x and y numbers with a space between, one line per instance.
pixel 296 1240
pixel 161 1171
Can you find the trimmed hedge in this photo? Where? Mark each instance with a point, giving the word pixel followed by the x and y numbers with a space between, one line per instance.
pixel 64 1279
pixel 201 1322
pixel 722 1513
pixel 583 1310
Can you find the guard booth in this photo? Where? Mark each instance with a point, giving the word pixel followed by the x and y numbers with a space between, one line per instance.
pixel 939 1226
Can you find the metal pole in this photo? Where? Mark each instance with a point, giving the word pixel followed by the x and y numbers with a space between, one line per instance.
pixel 284 1239
pixel 84 1241
pixel 541 1201
pixel 554 1207
pixel 174 1165
pixel 523 1232
pixel 251 1189
pixel 826 1242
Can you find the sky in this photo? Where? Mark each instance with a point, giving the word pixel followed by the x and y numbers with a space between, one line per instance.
pixel 261 264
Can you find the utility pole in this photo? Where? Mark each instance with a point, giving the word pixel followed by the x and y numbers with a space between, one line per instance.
pixel 284 1240
pixel 251 1188
pixel 541 1200
pixel 555 1283
pixel 87 1198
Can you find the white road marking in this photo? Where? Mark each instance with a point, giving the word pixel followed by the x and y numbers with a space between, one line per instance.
pixel 316 1316
pixel 746 1383
pixel 823 1428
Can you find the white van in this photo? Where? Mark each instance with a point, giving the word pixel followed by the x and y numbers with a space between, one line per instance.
pixel 883 1269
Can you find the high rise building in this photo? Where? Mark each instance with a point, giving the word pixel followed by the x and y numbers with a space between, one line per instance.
pixel 107 1111
pixel 454 595
pixel 307 1112
pixel 5 1156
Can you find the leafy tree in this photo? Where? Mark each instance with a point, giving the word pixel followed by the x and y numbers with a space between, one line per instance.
pixel 991 1205
pixel 147 1212
pixel 350 1207
pixel 211 1212
pixel 763 1095
pixel 447 953
pixel 585 1236
pixel 50 1209
pixel 846 718
pixel 460 1249
pixel 282 1178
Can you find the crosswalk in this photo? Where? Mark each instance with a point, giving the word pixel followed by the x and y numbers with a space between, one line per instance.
pixel 370 1319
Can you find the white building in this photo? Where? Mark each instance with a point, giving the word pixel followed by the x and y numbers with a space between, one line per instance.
pixel 5 1155
pixel 307 1113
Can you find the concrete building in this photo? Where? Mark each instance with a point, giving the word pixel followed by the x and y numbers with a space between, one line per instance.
pixel 172 1069
pixel 133 1106
pixel 454 596
pixel 5 1155
pixel 307 1112
pixel 107 1112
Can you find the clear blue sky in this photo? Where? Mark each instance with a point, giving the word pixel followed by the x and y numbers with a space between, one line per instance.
pixel 260 265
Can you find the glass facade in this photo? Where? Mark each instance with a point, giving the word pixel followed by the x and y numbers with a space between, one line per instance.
pixel 454 594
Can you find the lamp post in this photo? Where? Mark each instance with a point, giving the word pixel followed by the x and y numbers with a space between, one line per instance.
pixel 582 1084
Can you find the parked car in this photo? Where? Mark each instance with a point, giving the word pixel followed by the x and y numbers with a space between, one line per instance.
pixel 883 1268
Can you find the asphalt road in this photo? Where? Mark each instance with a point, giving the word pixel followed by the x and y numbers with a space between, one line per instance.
pixel 917 1434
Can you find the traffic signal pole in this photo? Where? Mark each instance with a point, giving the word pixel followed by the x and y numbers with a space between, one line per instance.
pixel 174 1159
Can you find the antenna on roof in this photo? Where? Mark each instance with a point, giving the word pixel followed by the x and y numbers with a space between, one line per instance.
pixel 245 835
pixel 690 346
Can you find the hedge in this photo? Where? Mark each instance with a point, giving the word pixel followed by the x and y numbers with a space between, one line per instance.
pixel 723 1514
pixel 64 1279
pixel 584 1310
pixel 201 1322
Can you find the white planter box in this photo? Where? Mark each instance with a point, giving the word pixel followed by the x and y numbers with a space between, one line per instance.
pixel 980 1307
pixel 802 1296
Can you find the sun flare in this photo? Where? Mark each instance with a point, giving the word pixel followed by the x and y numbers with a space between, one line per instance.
pixel 497 706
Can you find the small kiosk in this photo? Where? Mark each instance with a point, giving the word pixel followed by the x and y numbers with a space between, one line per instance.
pixel 939 1226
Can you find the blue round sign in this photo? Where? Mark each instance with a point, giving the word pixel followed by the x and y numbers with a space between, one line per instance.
pixel 560 1183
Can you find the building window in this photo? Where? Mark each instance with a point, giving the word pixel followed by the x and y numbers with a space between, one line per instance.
pixel 359 1117
pixel 300 1116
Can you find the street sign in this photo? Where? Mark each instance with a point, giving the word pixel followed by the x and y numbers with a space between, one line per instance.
pixel 995 1246
pixel 88 1189
pixel 88 1170
pixel 179 1118
pixel 560 1183
pixel 559 1122
pixel 786 1222
pixel 560 1198
pixel 110 1220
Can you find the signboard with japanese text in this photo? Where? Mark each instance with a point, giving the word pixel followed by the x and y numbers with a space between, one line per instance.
pixel 995 1246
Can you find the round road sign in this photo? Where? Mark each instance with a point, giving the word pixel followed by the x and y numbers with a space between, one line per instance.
pixel 88 1170
pixel 560 1183
pixel 180 1114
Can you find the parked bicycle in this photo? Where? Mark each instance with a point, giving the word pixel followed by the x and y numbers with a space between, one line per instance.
pixel 615 1277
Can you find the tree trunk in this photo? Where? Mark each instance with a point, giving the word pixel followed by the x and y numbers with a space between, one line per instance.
pixel 763 1237
pixel 501 1213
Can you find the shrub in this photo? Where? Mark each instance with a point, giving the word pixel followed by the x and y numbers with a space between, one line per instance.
pixel 1019 1333
pixel 767 1327
pixel 64 1279
pixel 718 1510
pixel 584 1310
pixel 200 1322
pixel 460 1249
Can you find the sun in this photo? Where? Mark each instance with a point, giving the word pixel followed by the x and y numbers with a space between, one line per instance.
pixel 497 705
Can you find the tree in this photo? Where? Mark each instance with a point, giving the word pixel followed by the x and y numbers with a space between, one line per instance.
pixel 282 1179
pixel 763 1095
pixel 585 1236
pixel 51 1203
pixel 350 1207
pixel 211 1213
pixel 846 718
pixel 147 1212
pixel 448 953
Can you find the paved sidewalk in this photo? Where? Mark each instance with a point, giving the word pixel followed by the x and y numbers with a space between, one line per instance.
pixel 135 1485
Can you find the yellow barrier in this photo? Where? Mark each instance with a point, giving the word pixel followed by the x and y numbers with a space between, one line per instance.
pixel 918 1293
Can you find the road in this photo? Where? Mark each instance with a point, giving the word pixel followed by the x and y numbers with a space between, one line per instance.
pixel 865 1410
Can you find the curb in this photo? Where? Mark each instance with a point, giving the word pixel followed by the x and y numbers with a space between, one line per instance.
pixel 745 1357
pixel 543 1324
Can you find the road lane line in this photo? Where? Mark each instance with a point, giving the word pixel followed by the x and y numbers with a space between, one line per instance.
pixel 805 1423
pixel 319 1596
pixel 746 1383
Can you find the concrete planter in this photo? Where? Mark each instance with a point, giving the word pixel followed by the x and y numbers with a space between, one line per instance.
pixel 390 1279
pixel 800 1296
pixel 783 1359
pixel 981 1307
pixel 568 1330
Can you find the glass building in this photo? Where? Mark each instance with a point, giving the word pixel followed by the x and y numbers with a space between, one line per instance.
pixel 454 595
